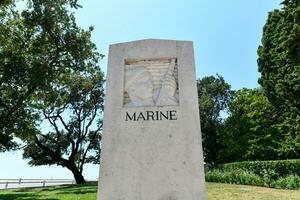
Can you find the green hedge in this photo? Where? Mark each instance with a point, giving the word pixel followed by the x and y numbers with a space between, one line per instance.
pixel 277 174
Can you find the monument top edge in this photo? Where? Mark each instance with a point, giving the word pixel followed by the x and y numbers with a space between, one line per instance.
pixel 151 40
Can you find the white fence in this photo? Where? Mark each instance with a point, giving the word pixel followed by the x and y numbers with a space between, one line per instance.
pixel 21 183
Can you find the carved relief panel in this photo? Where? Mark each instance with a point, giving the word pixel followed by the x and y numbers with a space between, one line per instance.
pixel 151 82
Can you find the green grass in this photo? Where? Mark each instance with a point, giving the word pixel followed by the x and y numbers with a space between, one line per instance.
pixel 235 192
pixel 88 192
pixel 66 192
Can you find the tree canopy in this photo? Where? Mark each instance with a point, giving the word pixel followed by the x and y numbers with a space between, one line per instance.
pixel 214 95
pixel 279 65
pixel 50 74
pixel 37 45
pixel 251 131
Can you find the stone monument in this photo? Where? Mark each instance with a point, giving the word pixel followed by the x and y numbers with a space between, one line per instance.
pixel 151 147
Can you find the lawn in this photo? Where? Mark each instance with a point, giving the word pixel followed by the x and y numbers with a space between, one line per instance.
pixel 66 192
pixel 88 192
pixel 243 192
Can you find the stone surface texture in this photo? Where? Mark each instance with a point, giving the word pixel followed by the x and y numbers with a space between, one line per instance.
pixel 157 159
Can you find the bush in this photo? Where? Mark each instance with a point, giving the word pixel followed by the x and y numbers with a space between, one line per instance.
pixel 233 177
pixel 278 174
pixel 289 182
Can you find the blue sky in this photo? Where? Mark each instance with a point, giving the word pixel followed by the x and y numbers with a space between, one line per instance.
pixel 226 35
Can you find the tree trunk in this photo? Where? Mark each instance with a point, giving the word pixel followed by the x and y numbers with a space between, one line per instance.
pixel 77 175
pixel 69 164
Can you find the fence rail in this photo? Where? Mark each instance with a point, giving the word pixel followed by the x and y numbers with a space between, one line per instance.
pixel 19 183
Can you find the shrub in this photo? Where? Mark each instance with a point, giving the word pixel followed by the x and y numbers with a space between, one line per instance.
pixel 278 174
pixel 234 177
pixel 289 182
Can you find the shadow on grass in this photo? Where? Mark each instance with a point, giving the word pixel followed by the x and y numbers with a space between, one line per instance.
pixel 18 196
pixel 40 192
pixel 32 193
pixel 83 191
pixel 79 189
pixel 61 188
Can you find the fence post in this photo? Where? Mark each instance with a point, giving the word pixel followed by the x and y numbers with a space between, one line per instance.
pixel 44 183
pixel 6 185
pixel 20 181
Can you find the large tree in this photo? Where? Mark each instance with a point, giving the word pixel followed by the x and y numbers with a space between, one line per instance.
pixel 37 45
pixel 49 72
pixel 251 131
pixel 214 95
pixel 279 65
pixel 73 110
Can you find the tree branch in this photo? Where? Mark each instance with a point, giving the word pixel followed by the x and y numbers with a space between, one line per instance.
pixel 84 157
pixel 90 122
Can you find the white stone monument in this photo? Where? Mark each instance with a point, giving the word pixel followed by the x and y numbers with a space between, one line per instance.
pixel 151 147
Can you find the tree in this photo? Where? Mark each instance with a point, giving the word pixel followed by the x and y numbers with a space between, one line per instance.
pixel 71 108
pixel 14 87
pixel 279 65
pixel 214 95
pixel 37 45
pixel 5 2
pixel 251 131
pixel 49 72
